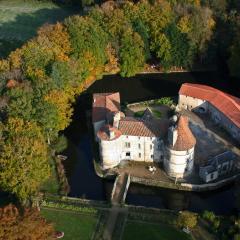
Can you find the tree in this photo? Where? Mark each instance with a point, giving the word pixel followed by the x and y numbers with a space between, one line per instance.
pixel 187 219
pixel 162 47
pixel 15 225
pixel 87 36
pixel 20 101
pixel 131 53
pixel 234 60
pixel 23 158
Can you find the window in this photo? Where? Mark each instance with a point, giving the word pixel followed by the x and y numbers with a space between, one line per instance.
pixel 151 146
pixel 128 154
pixel 212 176
pixel 139 146
pixel 152 156
pixel 127 144
pixel 139 138
pixel 139 155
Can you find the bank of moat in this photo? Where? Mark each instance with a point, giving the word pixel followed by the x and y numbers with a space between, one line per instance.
pixel 176 144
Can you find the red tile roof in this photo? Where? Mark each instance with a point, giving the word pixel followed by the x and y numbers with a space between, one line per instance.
pixel 185 139
pixel 227 104
pixel 104 103
pixel 138 127
pixel 103 133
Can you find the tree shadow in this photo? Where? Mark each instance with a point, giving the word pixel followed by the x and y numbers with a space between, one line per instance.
pixel 25 25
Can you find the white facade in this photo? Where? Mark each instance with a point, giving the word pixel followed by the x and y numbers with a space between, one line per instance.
pixel 179 164
pixel 144 149
pixel 190 103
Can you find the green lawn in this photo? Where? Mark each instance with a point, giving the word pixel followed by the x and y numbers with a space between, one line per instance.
pixel 20 19
pixel 147 231
pixel 138 114
pixel 74 225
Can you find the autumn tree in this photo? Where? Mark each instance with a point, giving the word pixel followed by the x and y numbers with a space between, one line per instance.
pixel 18 224
pixel 187 219
pixel 23 158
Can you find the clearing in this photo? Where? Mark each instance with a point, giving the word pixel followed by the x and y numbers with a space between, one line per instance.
pixel 19 20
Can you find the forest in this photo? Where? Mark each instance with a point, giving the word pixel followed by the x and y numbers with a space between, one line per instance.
pixel 40 80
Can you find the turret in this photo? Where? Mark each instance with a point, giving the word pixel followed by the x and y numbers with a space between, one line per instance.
pixel 179 157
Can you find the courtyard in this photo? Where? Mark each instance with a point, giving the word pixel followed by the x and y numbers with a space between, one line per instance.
pixel 211 141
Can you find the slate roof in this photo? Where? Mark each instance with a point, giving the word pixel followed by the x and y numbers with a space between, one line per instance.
pixel 185 139
pixel 225 103
pixel 104 103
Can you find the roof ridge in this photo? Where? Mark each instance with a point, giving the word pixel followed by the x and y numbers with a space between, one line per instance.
pixel 212 90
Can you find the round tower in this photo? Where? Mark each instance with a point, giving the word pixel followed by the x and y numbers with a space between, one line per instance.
pixel 110 146
pixel 179 150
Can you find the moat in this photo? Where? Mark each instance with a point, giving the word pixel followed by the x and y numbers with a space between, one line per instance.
pixel 79 167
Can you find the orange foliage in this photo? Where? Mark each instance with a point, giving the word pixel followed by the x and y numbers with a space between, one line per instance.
pixel 15 58
pixel 62 100
pixel 57 38
pixel 112 65
pixel 28 225
pixel 4 65
pixel 11 83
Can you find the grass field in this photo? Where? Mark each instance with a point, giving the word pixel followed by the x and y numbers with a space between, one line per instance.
pixel 147 231
pixel 20 19
pixel 75 226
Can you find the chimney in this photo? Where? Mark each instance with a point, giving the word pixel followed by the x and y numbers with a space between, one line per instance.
pixel 111 134
pixel 172 135
pixel 116 119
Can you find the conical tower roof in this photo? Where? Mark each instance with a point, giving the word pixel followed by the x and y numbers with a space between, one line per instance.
pixel 185 139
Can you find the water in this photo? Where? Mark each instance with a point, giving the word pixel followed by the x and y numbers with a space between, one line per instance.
pixel 220 201
pixel 79 167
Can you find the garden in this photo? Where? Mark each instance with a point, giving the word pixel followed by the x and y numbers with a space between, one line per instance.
pixel 76 226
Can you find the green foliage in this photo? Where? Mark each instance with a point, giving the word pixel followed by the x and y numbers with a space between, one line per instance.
pixel 23 158
pixel 47 72
pixel 164 101
pixel 162 47
pixel 131 54
pixel 60 144
pixel 86 36
pixel 234 60
pixel 212 219
pixel 187 219
pixel 138 114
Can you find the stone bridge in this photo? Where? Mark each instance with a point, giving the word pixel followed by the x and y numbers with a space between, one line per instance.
pixel 120 189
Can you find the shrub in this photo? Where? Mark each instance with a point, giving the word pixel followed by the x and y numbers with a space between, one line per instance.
pixel 164 101
pixel 187 219
pixel 209 216
pixel 82 209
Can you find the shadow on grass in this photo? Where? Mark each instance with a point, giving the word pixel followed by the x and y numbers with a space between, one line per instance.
pixel 25 26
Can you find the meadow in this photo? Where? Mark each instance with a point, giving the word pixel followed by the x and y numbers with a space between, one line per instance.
pixel 20 20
